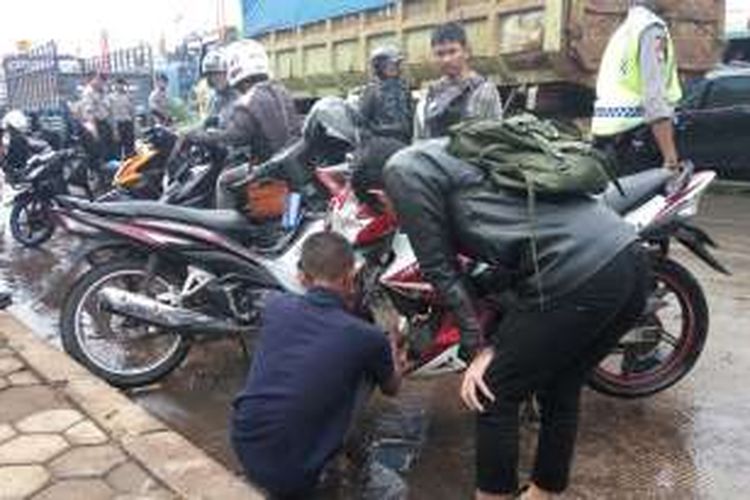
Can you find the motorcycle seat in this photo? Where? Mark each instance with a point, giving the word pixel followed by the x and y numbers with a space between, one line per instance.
pixel 637 189
pixel 224 221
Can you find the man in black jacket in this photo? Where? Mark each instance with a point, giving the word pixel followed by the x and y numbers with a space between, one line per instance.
pixel 386 102
pixel 263 119
pixel 563 313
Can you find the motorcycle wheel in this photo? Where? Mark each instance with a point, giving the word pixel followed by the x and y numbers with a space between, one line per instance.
pixel 670 346
pixel 31 222
pixel 123 351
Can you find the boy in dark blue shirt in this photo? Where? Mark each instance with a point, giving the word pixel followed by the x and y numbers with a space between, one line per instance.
pixel 312 359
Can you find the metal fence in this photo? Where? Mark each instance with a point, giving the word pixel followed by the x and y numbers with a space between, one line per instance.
pixel 42 80
pixel 32 79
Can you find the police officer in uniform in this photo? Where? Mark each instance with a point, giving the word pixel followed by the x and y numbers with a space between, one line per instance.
pixel 222 96
pixel 638 86
pixel 96 115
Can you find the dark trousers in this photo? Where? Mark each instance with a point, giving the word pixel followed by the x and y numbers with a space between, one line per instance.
pixel 632 151
pixel 550 353
pixel 127 138
pixel 99 148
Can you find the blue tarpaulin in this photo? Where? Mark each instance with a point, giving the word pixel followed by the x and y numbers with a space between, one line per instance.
pixel 266 15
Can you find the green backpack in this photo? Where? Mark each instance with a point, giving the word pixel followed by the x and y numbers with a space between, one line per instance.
pixel 537 156
pixel 532 155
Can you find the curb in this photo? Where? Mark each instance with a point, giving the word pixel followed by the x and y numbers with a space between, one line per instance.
pixel 166 454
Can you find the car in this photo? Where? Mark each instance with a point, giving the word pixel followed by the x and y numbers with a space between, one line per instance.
pixel 713 122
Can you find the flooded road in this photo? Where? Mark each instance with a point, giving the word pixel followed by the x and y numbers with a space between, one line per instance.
pixel 692 441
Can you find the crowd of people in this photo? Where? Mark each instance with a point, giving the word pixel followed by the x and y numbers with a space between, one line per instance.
pixel 578 292
pixel 106 115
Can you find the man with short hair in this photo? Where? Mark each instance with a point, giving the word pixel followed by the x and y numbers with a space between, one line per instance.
pixel 578 282
pixel 310 367
pixel 95 117
pixel 638 86
pixel 461 93
pixel 123 114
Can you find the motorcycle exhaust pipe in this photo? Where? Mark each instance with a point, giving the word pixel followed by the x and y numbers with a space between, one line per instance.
pixel 176 319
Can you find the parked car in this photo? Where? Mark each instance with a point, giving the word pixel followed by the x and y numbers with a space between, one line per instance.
pixel 713 122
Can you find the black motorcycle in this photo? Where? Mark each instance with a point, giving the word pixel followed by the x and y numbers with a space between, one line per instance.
pixel 45 177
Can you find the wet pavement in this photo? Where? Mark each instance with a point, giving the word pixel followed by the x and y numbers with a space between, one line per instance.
pixel 692 441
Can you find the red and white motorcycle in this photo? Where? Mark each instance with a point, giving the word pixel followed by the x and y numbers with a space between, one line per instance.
pixel 656 354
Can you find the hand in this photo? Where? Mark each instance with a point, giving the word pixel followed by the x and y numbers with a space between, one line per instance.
pixel 682 175
pixel 400 355
pixel 474 382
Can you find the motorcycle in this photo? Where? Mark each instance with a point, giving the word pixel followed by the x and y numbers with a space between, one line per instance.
pixel 656 354
pixel 181 275
pixel 166 169
pixel 140 175
pixel 192 275
pixel 46 177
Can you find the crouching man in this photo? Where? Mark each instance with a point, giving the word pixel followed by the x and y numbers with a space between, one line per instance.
pixel 309 373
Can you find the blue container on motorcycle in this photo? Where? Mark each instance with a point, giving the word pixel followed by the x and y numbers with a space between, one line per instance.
pixel 292 212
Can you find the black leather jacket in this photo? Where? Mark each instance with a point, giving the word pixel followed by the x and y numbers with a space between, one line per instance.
pixel 263 119
pixel 447 207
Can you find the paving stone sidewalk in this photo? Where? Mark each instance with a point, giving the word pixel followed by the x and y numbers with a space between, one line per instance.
pixel 65 435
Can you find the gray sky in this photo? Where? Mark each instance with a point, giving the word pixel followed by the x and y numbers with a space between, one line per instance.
pixel 738 14
pixel 77 24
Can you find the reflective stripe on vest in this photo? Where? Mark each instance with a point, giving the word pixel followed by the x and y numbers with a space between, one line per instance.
pixel 619 105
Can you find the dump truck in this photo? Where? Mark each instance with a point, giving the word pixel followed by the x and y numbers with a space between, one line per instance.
pixel 549 48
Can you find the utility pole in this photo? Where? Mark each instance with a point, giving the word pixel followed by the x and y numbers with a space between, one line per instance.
pixel 221 19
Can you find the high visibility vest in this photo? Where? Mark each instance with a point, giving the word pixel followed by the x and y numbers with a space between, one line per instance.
pixel 619 89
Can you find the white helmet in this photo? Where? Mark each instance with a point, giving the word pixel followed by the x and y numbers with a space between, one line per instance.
pixel 245 59
pixel 213 62
pixel 16 120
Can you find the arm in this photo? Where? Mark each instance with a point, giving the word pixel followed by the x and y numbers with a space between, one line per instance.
pixel 385 359
pixel 658 112
pixel 240 128
pixel 392 384
pixel 663 131
pixel 367 103
pixel 419 192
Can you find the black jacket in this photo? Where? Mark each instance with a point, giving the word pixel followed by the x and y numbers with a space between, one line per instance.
pixel 446 207
pixel 263 119
pixel 388 109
